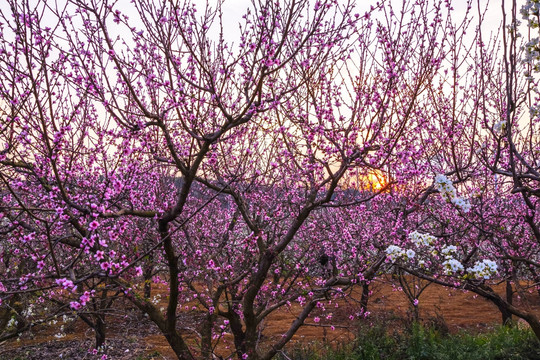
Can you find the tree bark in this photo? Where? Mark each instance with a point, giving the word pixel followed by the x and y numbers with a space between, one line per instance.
pixel 100 330
pixel 506 315
pixel 365 297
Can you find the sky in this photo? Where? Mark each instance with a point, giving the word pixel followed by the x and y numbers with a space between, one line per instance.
pixel 234 9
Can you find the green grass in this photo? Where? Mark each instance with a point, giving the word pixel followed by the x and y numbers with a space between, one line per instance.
pixel 420 343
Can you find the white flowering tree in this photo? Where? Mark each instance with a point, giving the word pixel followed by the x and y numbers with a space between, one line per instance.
pixel 498 222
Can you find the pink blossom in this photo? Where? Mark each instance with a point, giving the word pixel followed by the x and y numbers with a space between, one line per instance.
pixel 93 225
pixel 75 305
pixel 99 255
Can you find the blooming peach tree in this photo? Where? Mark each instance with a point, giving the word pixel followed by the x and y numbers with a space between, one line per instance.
pixel 140 144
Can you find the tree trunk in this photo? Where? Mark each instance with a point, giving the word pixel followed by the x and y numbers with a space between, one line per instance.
pixel 99 330
pixel 148 269
pixel 148 283
pixel 206 336
pixel 239 336
pixel 535 326
pixel 178 345
pixel 365 297
pixel 506 315
pixel 250 341
pixel 174 339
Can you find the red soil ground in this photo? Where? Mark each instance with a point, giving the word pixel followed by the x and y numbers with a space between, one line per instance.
pixel 134 337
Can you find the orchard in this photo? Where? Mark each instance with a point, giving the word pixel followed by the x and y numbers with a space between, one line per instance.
pixel 281 159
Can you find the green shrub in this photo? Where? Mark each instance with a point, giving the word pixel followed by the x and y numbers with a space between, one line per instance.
pixel 500 343
pixel 420 343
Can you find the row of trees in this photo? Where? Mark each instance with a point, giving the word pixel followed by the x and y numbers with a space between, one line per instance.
pixel 147 145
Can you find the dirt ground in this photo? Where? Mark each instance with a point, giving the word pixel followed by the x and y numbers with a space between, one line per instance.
pixel 132 336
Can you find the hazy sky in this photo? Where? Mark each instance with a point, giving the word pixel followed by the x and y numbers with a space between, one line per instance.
pixel 234 9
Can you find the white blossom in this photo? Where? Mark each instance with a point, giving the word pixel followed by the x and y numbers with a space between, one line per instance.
pixel 463 204
pixel 483 269
pixel 394 252
pixel 445 186
pixel 500 126
pixel 421 239
pixel 452 265
pixel 448 191
pixel 448 250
